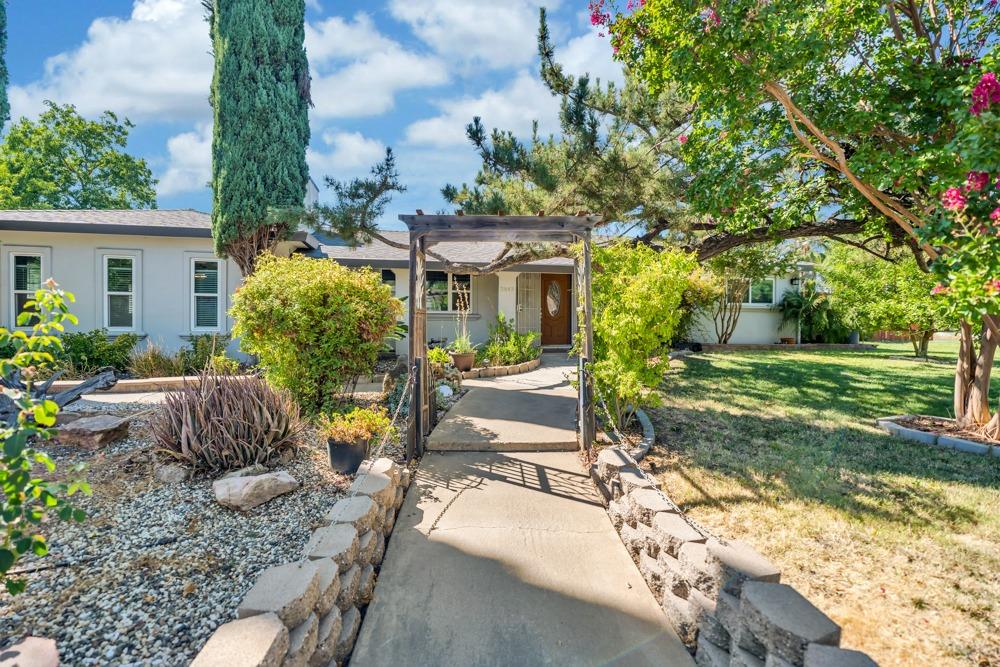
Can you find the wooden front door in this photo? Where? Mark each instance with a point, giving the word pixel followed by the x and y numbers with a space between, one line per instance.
pixel 556 308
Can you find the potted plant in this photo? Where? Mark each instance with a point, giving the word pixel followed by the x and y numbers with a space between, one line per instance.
pixel 463 353
pixel 349 436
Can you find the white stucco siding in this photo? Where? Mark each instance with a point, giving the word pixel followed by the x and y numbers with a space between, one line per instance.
pixel 162 305
pixel 757 324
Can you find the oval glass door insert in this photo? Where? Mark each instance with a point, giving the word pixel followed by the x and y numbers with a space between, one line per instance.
pixel 553 299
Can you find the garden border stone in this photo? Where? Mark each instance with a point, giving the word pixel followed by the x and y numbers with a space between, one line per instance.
pixel 501 371
pixel 889 425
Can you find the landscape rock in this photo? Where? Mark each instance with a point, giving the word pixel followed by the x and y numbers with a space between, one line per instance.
pixel 610 461
pixel 632 479
pixel 249 471
pixel 348 633
pixel 644 504
pixel 400 495
pixel 388 520
pixel 171 473
pixel 258 641
pixel 383 466
pixel 361 511
pixel 818 655
pixel 710 655
pixel 740 657
pixel 289 591
pixel 672 532
pixel 618 511
pixel 245 493
pixel 366 586
pixel 350 581
pixel 735 562
pixel 784 621
pixel 338 541
pixel 366 547
pixel 93 432
pixel 379 552
pixel 404 478
pixel 329 585
pixel 375 485
pixel 326 638
pixel 302 643
pixel 31 652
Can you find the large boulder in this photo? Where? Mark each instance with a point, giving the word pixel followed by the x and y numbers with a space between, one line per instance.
pixel 93 432
pixel 244 493
pixel 30 652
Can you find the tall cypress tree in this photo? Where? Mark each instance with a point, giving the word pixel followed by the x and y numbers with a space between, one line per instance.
pixel 4 104
pixel 260 99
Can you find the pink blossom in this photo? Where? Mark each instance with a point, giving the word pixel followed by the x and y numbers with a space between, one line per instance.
pixel 995 215
pixel 953 199
pixel 993 286
pixel 598 15
pixel 939 289
pixel 683 139
pixel 710 18
pixel 986 92
pixel 976 180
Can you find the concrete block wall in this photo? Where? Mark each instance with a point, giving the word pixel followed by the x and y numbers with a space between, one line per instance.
pixel 308 612
pixel 723 598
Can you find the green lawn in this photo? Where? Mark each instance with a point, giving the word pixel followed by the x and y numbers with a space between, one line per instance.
pixel 898 542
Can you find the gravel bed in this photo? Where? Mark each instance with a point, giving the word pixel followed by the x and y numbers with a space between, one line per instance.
pixel 155 568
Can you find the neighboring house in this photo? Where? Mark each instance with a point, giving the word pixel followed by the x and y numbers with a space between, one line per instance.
pixel 149 272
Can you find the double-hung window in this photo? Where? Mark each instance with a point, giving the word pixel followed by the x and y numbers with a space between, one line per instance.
pixel 761 293
pixel 206 294
pixel 389 278
pixel 120 281
pixel 26 278
pixel 448 292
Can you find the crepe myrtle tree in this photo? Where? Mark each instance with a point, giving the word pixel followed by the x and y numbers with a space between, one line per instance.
pixel 873 96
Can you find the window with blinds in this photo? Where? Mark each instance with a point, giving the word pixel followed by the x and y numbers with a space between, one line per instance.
pixel 206 296
pixel 27 280
pixel 119 292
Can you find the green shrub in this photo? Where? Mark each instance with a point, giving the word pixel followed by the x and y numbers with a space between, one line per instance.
pixel 223 365
pixel 637 294
pixel 86 351
pixel 813 308
pixel 507 347
pixel 220 423
pixel 357 426
pixel 438 355
pixel 153 362
pixel 201 350
pixel 30 499
pixel 315 326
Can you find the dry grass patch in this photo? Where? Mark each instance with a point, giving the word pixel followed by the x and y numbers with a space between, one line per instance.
pixel 898 542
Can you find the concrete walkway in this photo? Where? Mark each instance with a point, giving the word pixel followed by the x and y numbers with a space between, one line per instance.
pixel 534 411
pixel 510 559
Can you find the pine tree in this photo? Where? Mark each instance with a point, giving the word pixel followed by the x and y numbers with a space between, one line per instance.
pixel 260 99
pixel 4 104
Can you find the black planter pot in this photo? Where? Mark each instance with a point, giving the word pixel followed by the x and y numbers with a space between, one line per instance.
pixel 346 457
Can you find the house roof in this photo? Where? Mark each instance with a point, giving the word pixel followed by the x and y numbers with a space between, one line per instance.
pixel 377 254
pixel 149 222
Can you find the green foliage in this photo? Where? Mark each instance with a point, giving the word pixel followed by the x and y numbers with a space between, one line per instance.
pixel 315 326
pixel 462 345
pixel 206 352
pixel 873 294
pixel 152 362
pixel 220 423
pixel 87 351
pixel 438 355
pixel 637 294
pixel 813 308
pixel 357 426
pixel 260 100
pixel 507 347
pixel 28 499
pixel 4 102
pixel 64 160
pixel 704 290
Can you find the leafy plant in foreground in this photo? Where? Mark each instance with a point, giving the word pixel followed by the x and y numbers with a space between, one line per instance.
pixel 28 499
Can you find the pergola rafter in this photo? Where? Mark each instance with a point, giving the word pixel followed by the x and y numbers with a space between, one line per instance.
pixel 429 230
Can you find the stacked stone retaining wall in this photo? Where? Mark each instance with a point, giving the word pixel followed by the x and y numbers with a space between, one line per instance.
pixel 723 598
pixel 308 612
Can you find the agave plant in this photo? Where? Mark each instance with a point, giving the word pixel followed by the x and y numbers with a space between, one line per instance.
pixel 223 422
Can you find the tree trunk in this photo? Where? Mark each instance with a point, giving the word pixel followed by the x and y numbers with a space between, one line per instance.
pixel 972 380
pixel 920 341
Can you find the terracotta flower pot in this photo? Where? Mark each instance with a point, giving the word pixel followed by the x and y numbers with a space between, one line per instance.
pixel 346 457
pixel 463 360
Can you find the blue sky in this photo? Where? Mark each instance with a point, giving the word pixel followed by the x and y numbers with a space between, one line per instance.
pixel 403 73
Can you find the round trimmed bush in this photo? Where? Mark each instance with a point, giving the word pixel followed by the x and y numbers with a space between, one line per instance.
pixel 315 326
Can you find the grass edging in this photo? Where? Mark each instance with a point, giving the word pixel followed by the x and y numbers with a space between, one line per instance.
pixel 888 425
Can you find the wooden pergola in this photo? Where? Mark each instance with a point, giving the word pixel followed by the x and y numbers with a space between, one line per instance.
pixel 428 230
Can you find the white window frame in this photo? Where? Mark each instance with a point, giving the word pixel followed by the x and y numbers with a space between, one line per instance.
pixel 45 254
pixel 104 254
pixel 220 294
pixel 774 293
pixel 451 291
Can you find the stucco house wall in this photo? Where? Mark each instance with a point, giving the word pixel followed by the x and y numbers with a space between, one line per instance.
pixel 757 324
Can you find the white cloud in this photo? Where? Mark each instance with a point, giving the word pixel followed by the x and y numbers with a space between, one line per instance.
pixel 190 165
pixel 349 154
pixel 486 32
pixel 590 54
pixel 514 107
pixel 156 63
pixel 337 38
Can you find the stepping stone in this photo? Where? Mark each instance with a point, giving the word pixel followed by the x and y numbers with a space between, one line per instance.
pixel 338 541
pixel 244 493
pixel 361 511
pixel 94 432
pixel 302 643
pixel 289 591
pixel 784 621
pixel 258 641
pixel 326 638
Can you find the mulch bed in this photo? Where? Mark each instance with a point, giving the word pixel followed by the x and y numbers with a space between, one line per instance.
pixel 942 426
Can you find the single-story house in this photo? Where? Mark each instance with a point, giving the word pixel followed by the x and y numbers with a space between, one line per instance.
pixel 154 273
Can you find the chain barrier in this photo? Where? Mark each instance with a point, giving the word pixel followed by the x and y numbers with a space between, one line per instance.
pixel 705 532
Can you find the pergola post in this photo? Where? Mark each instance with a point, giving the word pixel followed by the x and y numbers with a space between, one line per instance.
pixel 588 426
pixel 417 425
